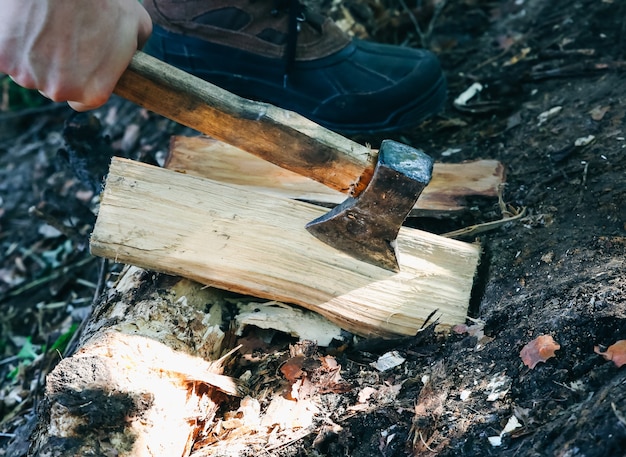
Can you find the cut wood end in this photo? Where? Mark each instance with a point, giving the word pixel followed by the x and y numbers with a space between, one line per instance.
pixel 149 355
pixel 139 393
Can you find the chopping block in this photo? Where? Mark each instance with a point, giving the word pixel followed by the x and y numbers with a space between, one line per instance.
pixel 231 238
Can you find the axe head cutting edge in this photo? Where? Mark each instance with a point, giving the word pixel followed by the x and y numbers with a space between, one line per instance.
pixel 366 226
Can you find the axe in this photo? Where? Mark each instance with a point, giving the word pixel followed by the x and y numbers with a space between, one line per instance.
pixel 383 187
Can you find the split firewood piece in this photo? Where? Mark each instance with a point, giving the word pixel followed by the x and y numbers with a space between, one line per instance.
pixel 146 377
pixel 246 242
pixel 448 191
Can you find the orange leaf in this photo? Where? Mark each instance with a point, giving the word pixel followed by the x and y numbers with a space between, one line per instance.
pixel 538 350
pixel 615 352
pixel 292 368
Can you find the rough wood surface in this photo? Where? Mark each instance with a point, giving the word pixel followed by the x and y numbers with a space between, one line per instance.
pixel 276 135
pixel 142 383
pixel 245 242
pixel 447 192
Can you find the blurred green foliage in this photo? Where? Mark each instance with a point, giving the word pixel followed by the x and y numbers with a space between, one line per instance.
pixel 15 98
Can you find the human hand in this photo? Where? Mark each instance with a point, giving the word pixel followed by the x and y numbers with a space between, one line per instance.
pixel 70 50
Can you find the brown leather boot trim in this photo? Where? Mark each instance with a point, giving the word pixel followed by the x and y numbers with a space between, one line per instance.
pixel 177 17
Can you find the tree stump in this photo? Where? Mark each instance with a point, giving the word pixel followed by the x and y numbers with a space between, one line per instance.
pixel 147 376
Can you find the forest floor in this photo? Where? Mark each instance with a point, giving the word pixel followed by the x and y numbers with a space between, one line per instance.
pixel 552 109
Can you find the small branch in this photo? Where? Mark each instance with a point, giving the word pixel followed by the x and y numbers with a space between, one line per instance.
pixel 509 214
pixel 425 36
pixel 46 279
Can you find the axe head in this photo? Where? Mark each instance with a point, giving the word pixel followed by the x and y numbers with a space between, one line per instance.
pixel 366 226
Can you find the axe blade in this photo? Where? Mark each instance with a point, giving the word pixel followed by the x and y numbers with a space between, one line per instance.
pixel 366 226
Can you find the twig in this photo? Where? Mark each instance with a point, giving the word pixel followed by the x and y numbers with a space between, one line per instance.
pixel 70 232
pixel 424 442
pixel 618 414
pixel 413 19
pixel 9 359
pixel 102 274
pixel 484 227
pixel 583 185
pixel 509 214
pixel 51 277
pixel 577 69
pixel 298 437
pixel 425 36
pixel 439 6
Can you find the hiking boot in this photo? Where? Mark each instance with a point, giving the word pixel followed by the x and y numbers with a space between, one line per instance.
pixel 279 52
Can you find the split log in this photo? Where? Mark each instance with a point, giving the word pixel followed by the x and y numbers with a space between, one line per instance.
pixel 451 187
pixel 237 240
pixel 146 378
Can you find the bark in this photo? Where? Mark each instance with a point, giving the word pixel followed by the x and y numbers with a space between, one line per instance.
pixel 146 377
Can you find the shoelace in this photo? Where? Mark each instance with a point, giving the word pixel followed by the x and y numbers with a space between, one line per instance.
pixel 297 13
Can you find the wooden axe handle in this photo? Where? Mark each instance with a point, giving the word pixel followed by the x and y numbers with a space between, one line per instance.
pixel 279 136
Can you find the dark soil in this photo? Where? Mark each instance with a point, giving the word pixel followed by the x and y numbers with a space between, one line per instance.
pixel 559 271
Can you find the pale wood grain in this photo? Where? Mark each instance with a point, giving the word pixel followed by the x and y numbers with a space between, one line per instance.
pixel 237 240
pixel 141 382
pixel 447 192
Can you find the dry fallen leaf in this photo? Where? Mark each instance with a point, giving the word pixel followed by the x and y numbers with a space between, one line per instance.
pixel 615 352
pixel 292 369
pixel 538 350
pixel 477 330
pixel 598 112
